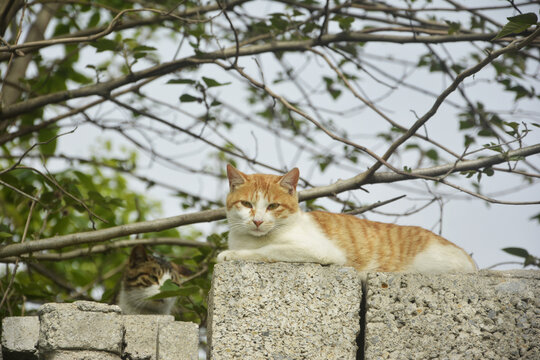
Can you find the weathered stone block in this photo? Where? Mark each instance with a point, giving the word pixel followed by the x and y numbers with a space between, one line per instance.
pixel 283 311
pixel 19 337
pixel 141 334
pixel 488 315
pixel 80 355
pixel 178 341
pixel 80 325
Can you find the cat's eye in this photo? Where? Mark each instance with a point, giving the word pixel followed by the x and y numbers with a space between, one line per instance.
pixel 272 206
pixel 246 204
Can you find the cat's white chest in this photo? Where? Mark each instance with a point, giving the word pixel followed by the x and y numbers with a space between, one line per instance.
pixel 299 239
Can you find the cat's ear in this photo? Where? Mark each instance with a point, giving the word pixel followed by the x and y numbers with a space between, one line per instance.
pixel 182 270
pixel 236 178
pixel 138 255
pixel 290 180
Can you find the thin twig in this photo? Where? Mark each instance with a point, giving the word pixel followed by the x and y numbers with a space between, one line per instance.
pixel 363 209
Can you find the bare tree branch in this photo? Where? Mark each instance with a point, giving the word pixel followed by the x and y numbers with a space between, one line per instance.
pixel 103 89
pixel 103 248
pixel 363 209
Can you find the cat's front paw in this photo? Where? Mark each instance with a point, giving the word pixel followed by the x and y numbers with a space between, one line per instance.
pixel 226 256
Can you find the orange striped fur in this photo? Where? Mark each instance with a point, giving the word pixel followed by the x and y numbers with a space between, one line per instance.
pixel 266 224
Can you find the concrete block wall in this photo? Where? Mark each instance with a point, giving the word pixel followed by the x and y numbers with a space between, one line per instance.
pixel 288 311
pixel 283 311
pixel 489 315
pixel 308 311
pixel 93 331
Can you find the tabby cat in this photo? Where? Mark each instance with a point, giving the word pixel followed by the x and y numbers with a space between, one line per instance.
pixel 143 276
pixel 266 224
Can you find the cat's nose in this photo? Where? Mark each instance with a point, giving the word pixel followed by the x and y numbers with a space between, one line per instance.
pixel 257 222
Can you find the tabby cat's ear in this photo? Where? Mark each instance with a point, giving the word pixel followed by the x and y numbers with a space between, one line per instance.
pixel 236 178
pixel 182 270
pixel 290 180
pixel 138 255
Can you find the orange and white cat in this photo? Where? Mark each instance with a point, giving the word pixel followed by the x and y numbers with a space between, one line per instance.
pixel 267 224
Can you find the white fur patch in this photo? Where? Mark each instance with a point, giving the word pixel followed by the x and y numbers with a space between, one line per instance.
pixel 296 238
pixel 441 258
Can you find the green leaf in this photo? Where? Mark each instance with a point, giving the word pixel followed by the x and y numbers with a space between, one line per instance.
pixel 213 83
pixel 468 173
pixel 97 198
pixel 104 45
pixel 139 55
pixel 168 285
pixel 517 24
pixel 344 22
pixel 85 180
pixel 457 68
pixel 278 22
pixel 466 124
pixel 5 235
pixel 516 251
pixel 527 18
pixel 94 19
pixel 181 81
pixel 144 48
pixel 432 154
pixel 189 98
pixel 485 132
pixel 453 27
pixel 468 140
pixel 47 137
pixel 178 291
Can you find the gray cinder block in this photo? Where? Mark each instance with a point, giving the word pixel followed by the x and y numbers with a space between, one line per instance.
pixel 178 341
pixel 488 315
pixel 80 355
pixel 19 337
pixel 141 334
pixel 283 311
pixel 80 325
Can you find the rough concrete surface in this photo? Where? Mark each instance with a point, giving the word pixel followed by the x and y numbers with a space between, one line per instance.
pixel 178 341
pixel 19 337
pixel 488 315
pixel 140 335
pixel 80 355
pixel 283 311
pixel 92 331
pixel 80 325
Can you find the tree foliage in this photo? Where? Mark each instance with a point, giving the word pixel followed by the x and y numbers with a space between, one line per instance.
pixel 348 87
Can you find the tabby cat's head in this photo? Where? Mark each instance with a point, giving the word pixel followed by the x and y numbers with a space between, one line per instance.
pixel 258 204
pixel 143 276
